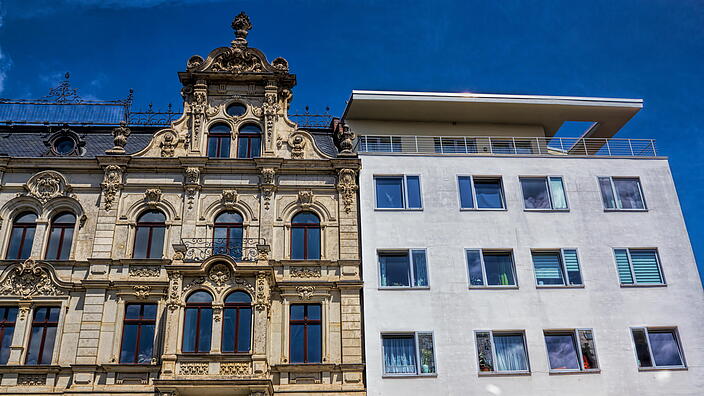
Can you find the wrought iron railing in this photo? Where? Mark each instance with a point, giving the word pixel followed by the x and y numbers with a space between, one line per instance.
pixel 410 144
pixel 150 117
pixel 199 249
pixel 306 119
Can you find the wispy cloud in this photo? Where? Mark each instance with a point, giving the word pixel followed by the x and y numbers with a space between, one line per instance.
pixel 5 61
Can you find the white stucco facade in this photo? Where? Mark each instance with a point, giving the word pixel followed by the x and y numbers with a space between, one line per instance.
pixel 453 311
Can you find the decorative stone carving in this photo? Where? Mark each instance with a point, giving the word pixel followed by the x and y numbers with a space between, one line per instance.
pixel 144 271
pixel 141 291
pixel 47 185
pixel 168 144
pixel 24 310
pixel 296 143
pixel 229 198
pixel 241 25
pixel 217 312
pixel 174 294
pixel 267 175
pixel 191 184
pixel 193 368
pixel 219 274
pixel 31 379
pixel 305 198
pixel 236 369
pixel 305 292
pixel 120 135
pixel 305 272
pixel 270 108
pixel 267 186
pixel 29 279
pixel 347 187
pixel 345 137
pixel 280 64
pixel 263 301
pixel 132 378
pixel 112 184
pixel 152 196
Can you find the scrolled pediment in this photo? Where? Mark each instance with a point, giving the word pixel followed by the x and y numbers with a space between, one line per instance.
pixel 30 279
pixel 46 185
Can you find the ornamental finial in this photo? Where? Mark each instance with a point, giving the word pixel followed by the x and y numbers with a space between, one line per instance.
pixel 242 26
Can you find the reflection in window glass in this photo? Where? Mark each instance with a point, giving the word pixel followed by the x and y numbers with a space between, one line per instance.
pixel 398 192
pixel 198 322
pixel 305 331
pixel 43 335
pixel 305 236
pixel 489 193
pixel 138 334
pixel 621 193
pixel 665 348
pixel 562 351
pixel 60 236
pixel 501 352
pixel 490 268
pixel 8 318
pixel 22 236
pixel 399 269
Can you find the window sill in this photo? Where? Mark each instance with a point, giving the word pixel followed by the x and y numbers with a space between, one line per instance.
pixel 483 209
pixel 663 368
pixel 559 286
pixel 404 287
pixel 398 209
pixel 494 287
pixel 625 210
pixel 627 286
pixel 571 372
pixel 547 210
pixel 503 374
pixel 414 375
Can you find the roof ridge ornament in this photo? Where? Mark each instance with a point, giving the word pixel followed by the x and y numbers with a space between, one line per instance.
pixel 241 25
pixel 64 92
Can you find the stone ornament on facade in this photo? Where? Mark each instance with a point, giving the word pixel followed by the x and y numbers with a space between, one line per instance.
pixel 305 272
pixel 193 368
pixel 174 293
pixel 345 136
pixel 263 299
pixel 229 198
pixel 305 292
pixel 141 291
pixel 152 196
pixel 296 143
pixel 236 369
pixel 168 144
pixel 347 187
pixel 219 274
pixel 144 271
pixel 31 379
pixel 191 184
pixel 30 279
pixel 120 135
pixel 267 186
pixel 112 184
pixel 305 198
pixel 47 185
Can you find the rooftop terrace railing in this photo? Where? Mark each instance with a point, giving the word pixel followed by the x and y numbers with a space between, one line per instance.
pixel 409 144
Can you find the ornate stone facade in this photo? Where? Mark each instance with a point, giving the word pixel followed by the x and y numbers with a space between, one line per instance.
pixel 146 240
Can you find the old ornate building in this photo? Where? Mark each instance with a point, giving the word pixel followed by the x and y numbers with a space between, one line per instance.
pixel 216 256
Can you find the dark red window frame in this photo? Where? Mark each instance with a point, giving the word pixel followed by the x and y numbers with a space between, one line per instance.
pixel 5 324
pixel 45 324
pixel 227 226
pixel 218 137
pixel 237 306
pixel 305 227
pixel 246 137
pixel 305 322
pixel 199 306
pixel 24 227
pixel 151 225
pixel 63 227
pixel 141 321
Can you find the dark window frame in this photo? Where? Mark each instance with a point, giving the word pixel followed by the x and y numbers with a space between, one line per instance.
pixel 141 321
pixel 199 306
pixel 5 324
pixel 24 226
pixel 63 227
pixel 305 322
pixel 45 324
pixel 221 139
pixel 305 227
pixel 238 307
pixel 151 225
pixel 248 136
pixel 228 226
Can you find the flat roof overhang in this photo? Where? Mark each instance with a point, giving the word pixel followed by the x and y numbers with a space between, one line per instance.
pixel 551 112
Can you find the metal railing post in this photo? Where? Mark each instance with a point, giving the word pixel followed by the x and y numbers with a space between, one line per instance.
pixel 513 142
pixel 491 146
pixel 442 150
pixel 415 137
pixel 608 147
pixel 584 143
pixel 631 147
pixel 652 144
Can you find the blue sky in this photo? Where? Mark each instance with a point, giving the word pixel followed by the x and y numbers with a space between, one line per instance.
pixel 650 49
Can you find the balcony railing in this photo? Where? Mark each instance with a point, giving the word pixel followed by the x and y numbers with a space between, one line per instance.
pixel 198 249
pixel 410 144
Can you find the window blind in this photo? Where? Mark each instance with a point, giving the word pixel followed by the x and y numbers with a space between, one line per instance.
pixel 548 269
pixel 645 266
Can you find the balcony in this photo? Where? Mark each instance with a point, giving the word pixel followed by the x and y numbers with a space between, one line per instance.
pixel 195 250
pixel 483 145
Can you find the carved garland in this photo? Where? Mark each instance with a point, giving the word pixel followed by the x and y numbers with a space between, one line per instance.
pixel 347 187
pixel 30 279
pixel 112 184
pixel 267 185
pixel 191 185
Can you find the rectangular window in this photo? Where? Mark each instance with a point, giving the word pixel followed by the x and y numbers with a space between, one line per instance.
pixel 639 267
pixel 398 192
pixel 502 352
pixel 622 193
pixel 8 318
pixel 657 348
pixel 481 192
pixel 403 268
pixel 490 268
pixel 138 334
pixel 557 268
pixel 543 193
pixel 408 354
pixel 43 335
pixel 571 350
pixel 305 333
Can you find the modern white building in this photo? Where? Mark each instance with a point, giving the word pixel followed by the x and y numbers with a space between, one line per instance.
pixel 499 259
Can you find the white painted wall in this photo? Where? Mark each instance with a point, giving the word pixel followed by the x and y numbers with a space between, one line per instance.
pixel 452 311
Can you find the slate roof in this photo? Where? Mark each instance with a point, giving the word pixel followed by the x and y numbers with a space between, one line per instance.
pixel 323 139
pixel 39 113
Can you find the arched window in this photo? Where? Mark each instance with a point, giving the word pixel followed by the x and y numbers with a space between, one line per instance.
pixel 149 238
pixel 249 141
pixel 22 236
pixel 227 235
pixel 198 322
pixel 305 237
pixel 219 141
pixel 237 322
pixel 61 236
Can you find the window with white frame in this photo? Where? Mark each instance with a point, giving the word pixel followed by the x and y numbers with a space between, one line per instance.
pixel 638 267
pixel 408 353
pixel 543 193
pixel 657 347
pixel 556 267
pixel 398 192
pixel 403 268
pixel 490 267
pixel 622 193
pixel 571 350
pixel 481 192
pixel 502 351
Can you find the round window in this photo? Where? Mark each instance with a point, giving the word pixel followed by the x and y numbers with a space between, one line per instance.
pixel 64 145
pixel 236 109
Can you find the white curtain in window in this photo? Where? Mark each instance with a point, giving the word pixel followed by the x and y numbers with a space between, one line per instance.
pixel 399 355
pixel 510 353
